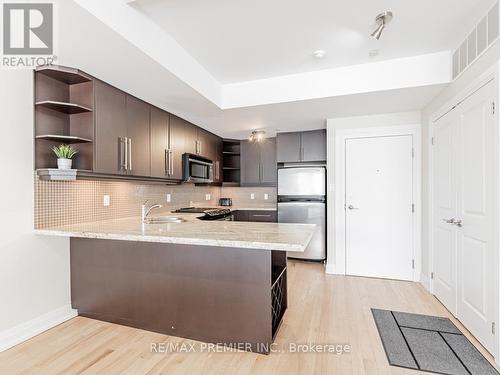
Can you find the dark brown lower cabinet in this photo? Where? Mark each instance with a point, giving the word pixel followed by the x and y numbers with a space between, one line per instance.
pixel 256 215
pixel 221 295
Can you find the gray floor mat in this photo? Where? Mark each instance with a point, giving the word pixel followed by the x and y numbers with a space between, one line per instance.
pixel 428 343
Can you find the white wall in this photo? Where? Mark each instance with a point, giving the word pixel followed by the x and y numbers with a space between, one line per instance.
pixel 484 63
pixel 358 122
pixel 34 271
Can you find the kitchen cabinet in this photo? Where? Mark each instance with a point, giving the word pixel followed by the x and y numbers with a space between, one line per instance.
pixel 110 129
pixel 296 147
pixel 314 145
pixel 207 144
pixel 258 163
pixel 288 147
pixel 167 144
pixel 190 138
pixel 160 123
pixel 138 137
pixel 264 216
pixel 218 161
pixel 269 171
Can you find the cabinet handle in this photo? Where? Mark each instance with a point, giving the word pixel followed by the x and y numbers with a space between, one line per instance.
pixel 130 154
pixel 123 153
pixel 260 215
pixel 171 160
pixel 167 163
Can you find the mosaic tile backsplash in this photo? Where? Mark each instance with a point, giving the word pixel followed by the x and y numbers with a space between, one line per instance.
pixel 71 202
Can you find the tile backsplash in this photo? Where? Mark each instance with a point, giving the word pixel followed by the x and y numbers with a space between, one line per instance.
pixel 69 202
pixel 242 196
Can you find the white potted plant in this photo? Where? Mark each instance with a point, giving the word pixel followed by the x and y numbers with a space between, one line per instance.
pixel 65 154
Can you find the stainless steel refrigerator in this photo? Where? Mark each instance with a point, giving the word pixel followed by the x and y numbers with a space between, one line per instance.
pixel 302 199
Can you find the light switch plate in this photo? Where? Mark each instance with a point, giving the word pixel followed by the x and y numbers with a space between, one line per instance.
pixel 106 200
pixel 252 196
pixel 207 197
pixel 266 197
pixel 169 198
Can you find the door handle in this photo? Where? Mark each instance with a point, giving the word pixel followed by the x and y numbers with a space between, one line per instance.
pixel 458 223
pixel 351 207
pixel 449 221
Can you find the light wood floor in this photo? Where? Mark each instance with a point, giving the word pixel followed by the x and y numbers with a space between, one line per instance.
pixel 322 309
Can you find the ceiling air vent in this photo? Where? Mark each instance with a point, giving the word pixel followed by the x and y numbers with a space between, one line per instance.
pixel 477 42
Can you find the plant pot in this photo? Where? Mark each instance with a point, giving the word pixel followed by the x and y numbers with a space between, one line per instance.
pixel 64 163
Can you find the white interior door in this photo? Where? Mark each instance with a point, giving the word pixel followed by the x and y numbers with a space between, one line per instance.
pixel 445 211
pixel 475 242
pixel 465 204
pixel 379 198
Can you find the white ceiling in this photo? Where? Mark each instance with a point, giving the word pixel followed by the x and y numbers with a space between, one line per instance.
pixel 241 40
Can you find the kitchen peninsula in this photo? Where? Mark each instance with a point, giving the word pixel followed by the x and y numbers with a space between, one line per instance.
pixel 215 281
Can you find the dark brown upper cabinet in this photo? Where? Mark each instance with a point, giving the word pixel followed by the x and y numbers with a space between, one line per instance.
pixel 191 145
pixel 258 163
pixel 160 150
pixel 138 137
pixel 167 144
pixel 110 129
pixel 307 146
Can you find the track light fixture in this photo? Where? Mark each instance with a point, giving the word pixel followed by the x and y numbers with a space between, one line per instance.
pixel 382 19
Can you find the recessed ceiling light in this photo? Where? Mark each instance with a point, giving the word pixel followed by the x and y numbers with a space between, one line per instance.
pixel 319 54
pixel 373 53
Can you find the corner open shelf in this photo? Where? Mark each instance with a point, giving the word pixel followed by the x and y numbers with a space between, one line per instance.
pixel 68 108
pixel 63 138
pixel 64 102
pixel 231 162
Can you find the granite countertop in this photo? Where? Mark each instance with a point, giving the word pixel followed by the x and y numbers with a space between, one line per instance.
pixel 249 235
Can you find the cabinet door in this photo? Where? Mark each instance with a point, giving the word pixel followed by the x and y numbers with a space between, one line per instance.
pixel 314 145
pixel 288 147
pixel 176 144
pixel 207 144
pixel 263 216
pixel 110 129
pixel 219 146
pixel 138 133
pixel 250 164
pixel 268 169
pixel 190 138
pixel 159 143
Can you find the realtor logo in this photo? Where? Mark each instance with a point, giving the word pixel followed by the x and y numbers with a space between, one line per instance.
pixel 28 29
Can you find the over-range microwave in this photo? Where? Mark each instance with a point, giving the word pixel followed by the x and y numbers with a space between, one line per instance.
pixel 197 169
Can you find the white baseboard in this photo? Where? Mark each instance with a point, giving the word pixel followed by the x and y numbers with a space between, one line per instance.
pixel 33 327
pixel 425 281
pixel 330 269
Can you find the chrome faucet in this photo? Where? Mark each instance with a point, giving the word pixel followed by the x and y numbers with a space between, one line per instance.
pixel 145 211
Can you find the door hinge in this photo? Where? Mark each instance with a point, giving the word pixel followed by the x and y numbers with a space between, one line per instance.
pixel 493 108
pixel 493 328
pixel 412 152
pixel 413 207
pixel 413 263
pixel 432 141
pixel 432 275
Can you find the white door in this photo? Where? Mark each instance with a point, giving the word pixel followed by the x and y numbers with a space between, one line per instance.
pixel 465 270
pixel 445 211
pixel 379 198
pixel 475 245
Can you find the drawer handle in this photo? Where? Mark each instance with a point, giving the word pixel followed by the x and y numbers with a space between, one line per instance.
pixel 256 215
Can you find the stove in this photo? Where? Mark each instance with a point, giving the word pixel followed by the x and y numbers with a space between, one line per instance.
pixel 210 213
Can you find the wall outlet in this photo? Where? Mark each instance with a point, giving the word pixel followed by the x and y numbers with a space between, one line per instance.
pixel 266 197
pixel 106 200
pixel 208 197
pixel 169 198
pixel 252 196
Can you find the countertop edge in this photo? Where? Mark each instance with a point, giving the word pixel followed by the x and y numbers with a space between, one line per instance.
pixel 176 240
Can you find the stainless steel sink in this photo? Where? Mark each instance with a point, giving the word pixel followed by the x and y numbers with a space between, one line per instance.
pixel 164 220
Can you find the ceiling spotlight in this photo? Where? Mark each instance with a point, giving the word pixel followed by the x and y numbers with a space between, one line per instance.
pixel 319 54
pixel 382 19
pixel 257 136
